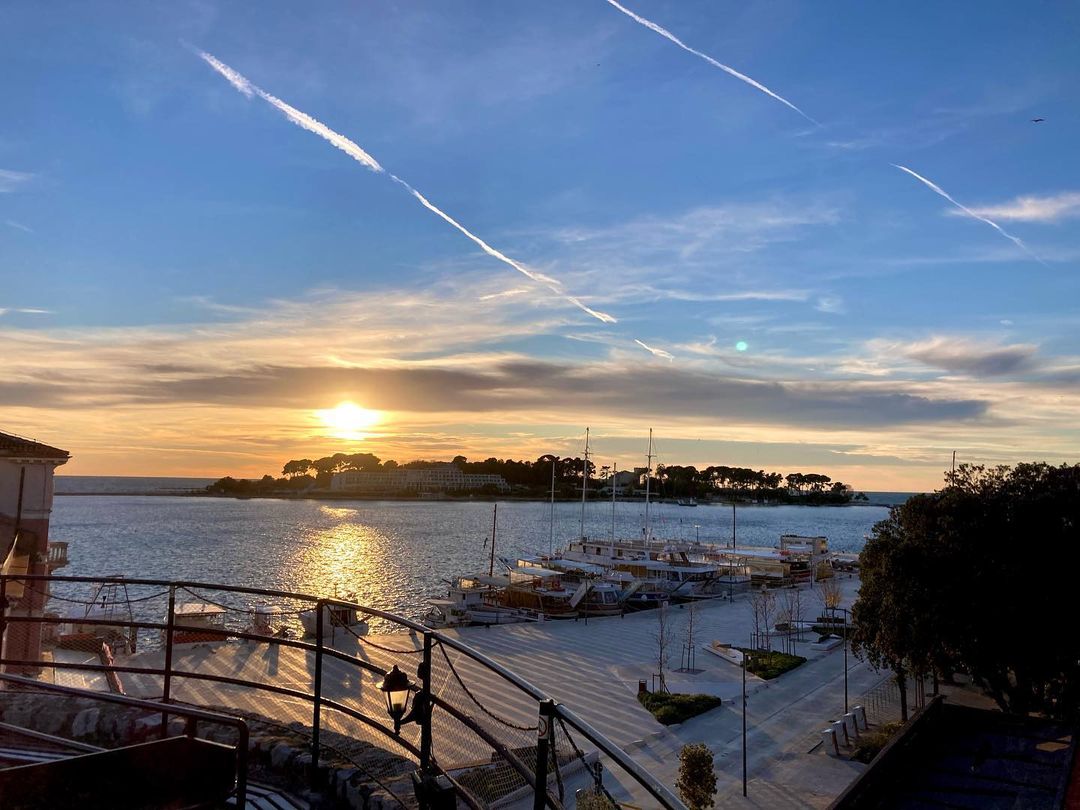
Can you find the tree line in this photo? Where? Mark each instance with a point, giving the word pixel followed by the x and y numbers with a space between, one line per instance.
pixel 536 477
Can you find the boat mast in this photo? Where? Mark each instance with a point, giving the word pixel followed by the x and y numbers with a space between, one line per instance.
pixel 648 476
pixel 551 528
pixel 614 471
pixel 584 482
pixel 491 565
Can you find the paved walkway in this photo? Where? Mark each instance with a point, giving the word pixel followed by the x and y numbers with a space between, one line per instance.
pixel 593 668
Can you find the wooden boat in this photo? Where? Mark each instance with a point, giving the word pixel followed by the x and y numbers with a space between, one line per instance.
pixel 197 623
pixel 334 617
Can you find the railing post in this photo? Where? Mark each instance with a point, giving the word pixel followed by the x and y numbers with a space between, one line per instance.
pixel 166 689
pixel 425 707
pixel 545 731
pixel 3 614
pixel 316 710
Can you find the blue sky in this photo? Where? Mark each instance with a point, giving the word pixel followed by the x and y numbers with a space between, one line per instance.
pixel 212 274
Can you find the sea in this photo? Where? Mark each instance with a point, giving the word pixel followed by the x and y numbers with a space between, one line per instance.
pixel 390 555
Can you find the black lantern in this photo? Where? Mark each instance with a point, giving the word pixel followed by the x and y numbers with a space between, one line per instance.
pixel 397 688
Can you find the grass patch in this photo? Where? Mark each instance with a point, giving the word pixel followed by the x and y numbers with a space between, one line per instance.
pixel 769 665
pixel 670 709
pixel 871 742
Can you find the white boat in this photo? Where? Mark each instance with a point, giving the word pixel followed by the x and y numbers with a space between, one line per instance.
pixel 334 617
pixel 474 600
pixel 197 623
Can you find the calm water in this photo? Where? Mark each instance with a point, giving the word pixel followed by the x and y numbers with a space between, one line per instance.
pixel 392 555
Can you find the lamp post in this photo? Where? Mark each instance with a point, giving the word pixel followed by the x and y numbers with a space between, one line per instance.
pixel 397 690
pixel 846 613
pixel 745 661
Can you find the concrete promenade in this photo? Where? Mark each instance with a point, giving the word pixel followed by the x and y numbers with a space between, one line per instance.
pixel 593 668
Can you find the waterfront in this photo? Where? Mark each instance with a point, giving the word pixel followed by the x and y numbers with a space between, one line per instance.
pixel 393 555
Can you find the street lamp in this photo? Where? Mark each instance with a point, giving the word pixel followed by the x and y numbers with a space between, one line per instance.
pixel 847 623
pixel 745 663
pixel 397 689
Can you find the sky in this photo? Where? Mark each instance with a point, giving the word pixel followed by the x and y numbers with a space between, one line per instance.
pixel 788 236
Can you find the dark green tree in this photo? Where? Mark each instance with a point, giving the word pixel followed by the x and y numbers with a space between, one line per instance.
pixel 953 581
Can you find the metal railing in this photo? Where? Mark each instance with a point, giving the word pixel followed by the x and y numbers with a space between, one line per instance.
pixel 494 737
pixel 192 715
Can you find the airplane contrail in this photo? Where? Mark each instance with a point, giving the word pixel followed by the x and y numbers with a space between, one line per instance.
pixel 939 190
pixel 654 351
pixel 730 70
pixel 353 150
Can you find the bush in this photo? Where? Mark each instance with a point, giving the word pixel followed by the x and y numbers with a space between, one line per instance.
pixel 670 709
pixel 773 664
pixel 871 742
pixel 697 780
pixel 588 800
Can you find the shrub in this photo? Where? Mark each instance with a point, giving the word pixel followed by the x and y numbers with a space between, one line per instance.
pixel 697 780
pixel 670 709
pixel 871 742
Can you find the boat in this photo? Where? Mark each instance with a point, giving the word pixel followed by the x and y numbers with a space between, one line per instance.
pixel 263 620
pixel 109 602
pixel 473 600
pixel 197 623
pixel 686 502
pixel 538 590
pixel 334 617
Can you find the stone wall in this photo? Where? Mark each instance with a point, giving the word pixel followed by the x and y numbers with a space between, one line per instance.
pixel 278 755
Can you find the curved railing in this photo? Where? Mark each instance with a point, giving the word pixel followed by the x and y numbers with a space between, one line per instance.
pixel 493 736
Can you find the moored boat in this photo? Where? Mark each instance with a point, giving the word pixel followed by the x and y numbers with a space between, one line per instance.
pixel 197 623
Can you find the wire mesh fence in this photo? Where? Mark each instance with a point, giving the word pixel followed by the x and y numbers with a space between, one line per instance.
pixel 315 667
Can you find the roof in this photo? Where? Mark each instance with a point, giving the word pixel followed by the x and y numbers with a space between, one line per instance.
pixel 12 446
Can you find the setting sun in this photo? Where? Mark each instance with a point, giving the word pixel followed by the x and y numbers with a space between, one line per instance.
pixel 348 420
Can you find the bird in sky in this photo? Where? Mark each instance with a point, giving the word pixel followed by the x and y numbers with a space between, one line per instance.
pixel 1037 120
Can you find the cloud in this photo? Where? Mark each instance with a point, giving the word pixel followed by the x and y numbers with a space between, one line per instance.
pixel 654 351
pixel 24 311
pixel 1053 208
pixel 353 150
pixel 12 180
pixel 528 386
pixel 18 226
pixel 832 304
pixel 729 70
pixel 938 190
pixel 965 356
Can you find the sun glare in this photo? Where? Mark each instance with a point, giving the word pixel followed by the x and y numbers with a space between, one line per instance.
pixel 348 420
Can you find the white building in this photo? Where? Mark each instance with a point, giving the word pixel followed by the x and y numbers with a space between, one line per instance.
pixel 444 478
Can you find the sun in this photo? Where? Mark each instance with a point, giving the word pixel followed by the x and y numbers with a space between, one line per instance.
pixel 348 420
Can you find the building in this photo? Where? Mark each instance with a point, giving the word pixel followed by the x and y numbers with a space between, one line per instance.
pixel 26 494
pixel 443 478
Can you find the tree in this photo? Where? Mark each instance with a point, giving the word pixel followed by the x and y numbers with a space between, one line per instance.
pixel 697 780
pixel 946 585
pixel 663 636
pixel 293 469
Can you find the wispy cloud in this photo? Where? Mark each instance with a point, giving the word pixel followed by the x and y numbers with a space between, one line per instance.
pixel 504 294
pixel 1053 208
pixel 23 311
pixel 832 304
pixel 727 69
pixel 654 351
pixel 353 150
pixel 11 180
pixel 18 226
pixel 938 190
